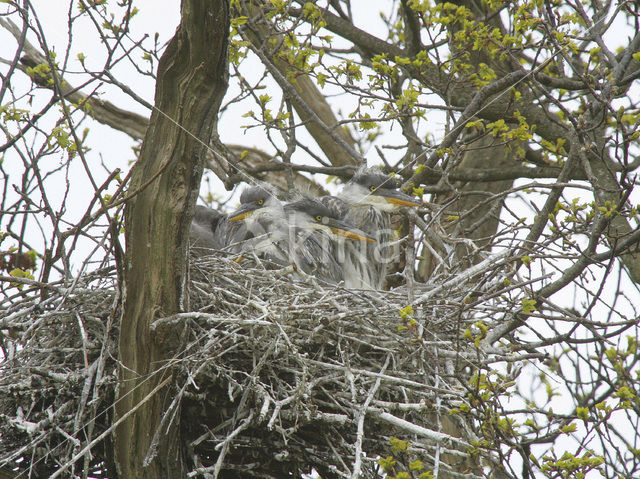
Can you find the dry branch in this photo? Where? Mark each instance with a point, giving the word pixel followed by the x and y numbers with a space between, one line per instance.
pixel 282 361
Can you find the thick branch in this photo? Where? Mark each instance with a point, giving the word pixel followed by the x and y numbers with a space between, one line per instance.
pixel 192 79
pixel 308 101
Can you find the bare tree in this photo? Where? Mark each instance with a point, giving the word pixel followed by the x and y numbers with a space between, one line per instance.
pixel 509 344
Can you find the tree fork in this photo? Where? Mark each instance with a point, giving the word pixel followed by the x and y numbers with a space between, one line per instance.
pixel 192 79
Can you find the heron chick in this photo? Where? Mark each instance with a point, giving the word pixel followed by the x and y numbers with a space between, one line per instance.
pixel 260 214
pixel 211 229
pixel 206 230
pixel 312 238
pixel 366 202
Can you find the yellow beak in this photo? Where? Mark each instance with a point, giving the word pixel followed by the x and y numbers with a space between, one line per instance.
pixel 351 235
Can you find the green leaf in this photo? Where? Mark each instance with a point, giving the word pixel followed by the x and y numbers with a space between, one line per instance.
pixel 398 445
pixel 582 413
pixel 20 273
pixel 528 305
pixel 387 463
pixel 406 311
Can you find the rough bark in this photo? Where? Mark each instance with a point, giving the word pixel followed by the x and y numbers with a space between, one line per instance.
pixel 478 215
pixel 608 189
pixel 192 79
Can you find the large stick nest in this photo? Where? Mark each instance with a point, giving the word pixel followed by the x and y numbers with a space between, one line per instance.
pixel 273 376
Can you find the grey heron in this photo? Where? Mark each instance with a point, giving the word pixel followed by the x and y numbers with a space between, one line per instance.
pixel 366 202
pixel 206 228
pixel 258 206
pixel 211 229
pixel 303 233
pixel 312 236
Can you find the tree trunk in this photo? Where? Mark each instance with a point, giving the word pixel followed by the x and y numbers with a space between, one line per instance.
pixel 192 79
pixel 478 213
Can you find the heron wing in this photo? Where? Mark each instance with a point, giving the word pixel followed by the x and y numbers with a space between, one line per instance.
pixel 338 207
pixel 367 263
pixel 207 228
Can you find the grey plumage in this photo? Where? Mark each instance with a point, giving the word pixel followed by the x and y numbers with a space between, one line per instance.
pixel 311 243
pixel 337 239
pixel 367 264
pixel 211 229
pixel 366 202
pixel 203 233
pixel 304 234
pixel 258 206
pixel 338 207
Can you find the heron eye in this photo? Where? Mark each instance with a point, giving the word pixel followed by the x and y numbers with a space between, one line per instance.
pixel 372 188
pixel 260 202
pixel 319 218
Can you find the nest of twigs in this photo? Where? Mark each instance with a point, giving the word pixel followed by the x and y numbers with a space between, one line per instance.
pixel 58 375
pixel 276 377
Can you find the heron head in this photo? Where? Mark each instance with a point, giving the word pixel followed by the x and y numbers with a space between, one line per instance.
pixel 372 187
pixel 312 214
pixel 252 200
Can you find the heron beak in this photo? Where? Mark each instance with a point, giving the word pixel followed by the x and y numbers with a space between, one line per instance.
pixel 352 235
pixel 242 213
pixel 397 197
pixel 343 229
pixel 241 216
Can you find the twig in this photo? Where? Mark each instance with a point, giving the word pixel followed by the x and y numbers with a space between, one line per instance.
pixel 120 420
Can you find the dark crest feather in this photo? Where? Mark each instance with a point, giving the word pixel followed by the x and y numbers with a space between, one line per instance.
pixel 376 179
pixel 254 193
pixel 311 207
